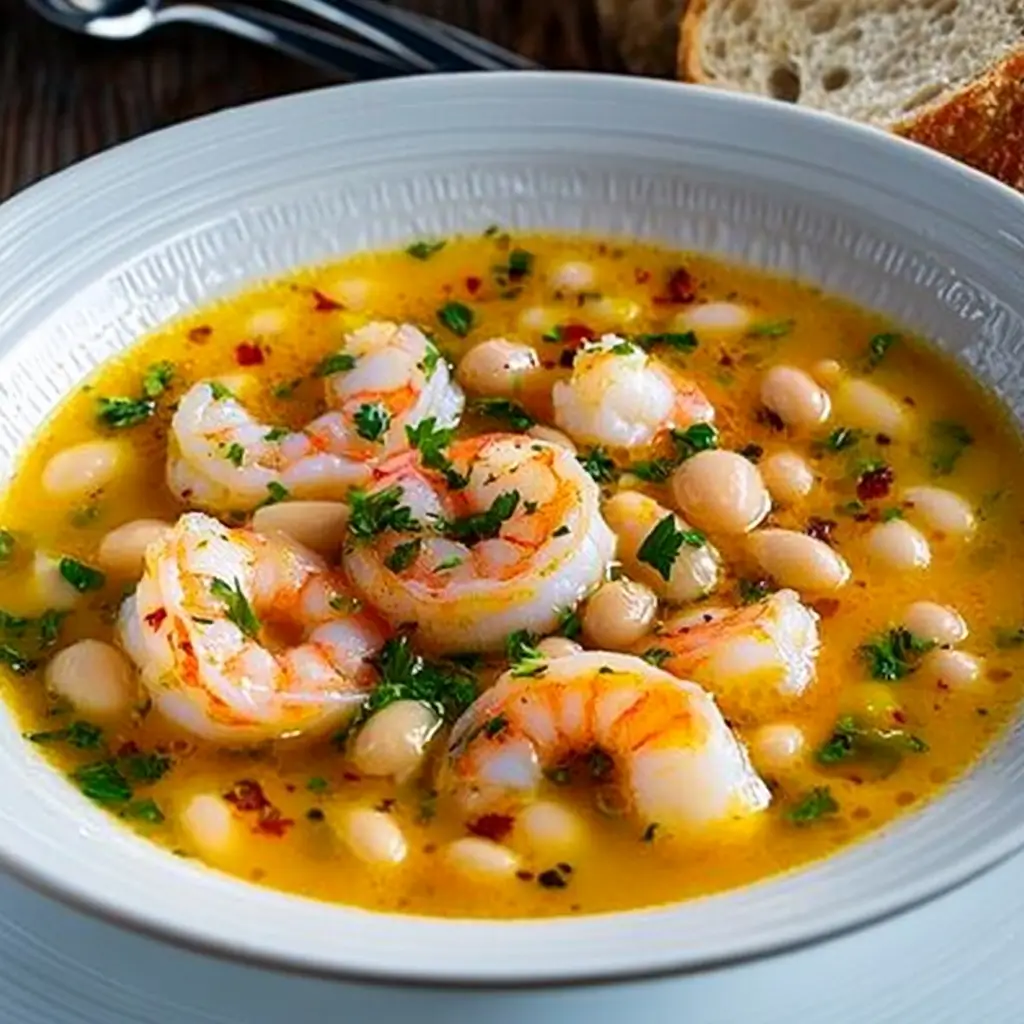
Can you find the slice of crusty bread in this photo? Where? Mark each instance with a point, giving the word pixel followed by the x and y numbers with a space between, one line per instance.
pixel 947 73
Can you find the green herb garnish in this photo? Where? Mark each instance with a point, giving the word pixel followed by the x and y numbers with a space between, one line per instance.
pixel 403 555
pixel 81 735
pixel 7 546
pixel 656 656
pixel 949 441
pixel 430 441
pixel 752 591
pixel 340 362
pixel 235 454
pixel 598 464
pixel 662 545
pixel 842 438
pixel 372 514
pixel 523 657
pixel 851 741
pixel 239 611
pixel 423 249
pixel 219 391
pixel 679 342
pixel 372 421
pixel 119 413
pixel 458 318
pixel 276 493
pixel 82 577
pixel 771 329
pixel 503 409
pixel 878 347
pixel 569 624
pixel 477 526
pixel 431 357
pixel 817 804
pixel 892 655
pixel 157 379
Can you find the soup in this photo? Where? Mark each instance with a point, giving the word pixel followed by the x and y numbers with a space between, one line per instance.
pixel 515 577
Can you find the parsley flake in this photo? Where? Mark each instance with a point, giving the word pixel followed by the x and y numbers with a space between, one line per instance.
pixel 599 464
pixel 157 379
pixel 817 804
pixel 120 413
pixel 892 655
pixel 423 249
pixel 82 577
pixel 372 421
pixel 662 545
pixel 457 317
pixel 238 609
pixel 506 410
pixel 339 362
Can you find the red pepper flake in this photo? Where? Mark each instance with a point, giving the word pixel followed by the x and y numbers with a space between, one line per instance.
pixel 247 795
pixel 883 439
pixel 826 607
pixel 324 303
pixel 726 360
pixel 186 494
pixel 899 717
pixel 998 675
pixel 351 777
pixel 473 285
pixel 248 354
pixel 155 619
pixel 272 824
pixel 679 289
pixel 641 276
pixel 574 335
pixel 129 749
pixel 770 419
pixel 875 483
pixel 200 335
pixel 492 826
pixel 821 529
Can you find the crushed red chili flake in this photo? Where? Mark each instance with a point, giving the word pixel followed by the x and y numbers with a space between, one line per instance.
pixel 248 353
pixel 679 289
pixel 324 303
pixel 826 607
pixel 770 419
pixel 155 618
pixel 524 876
pixel 492 826
pixel 998 675
pixel 473 285
pixel 200 335
pixel 875 483
pixel 351 777
pixel 129 749
pixel 899 717
pixel 641 276
pixel 186 494
pixel 575 334
pixel 247 795
pixel 726 360
pixel 272 824
pixel 820 529
pixel 883 439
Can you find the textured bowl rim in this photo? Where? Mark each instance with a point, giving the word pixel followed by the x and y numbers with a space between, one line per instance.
pixel 623 961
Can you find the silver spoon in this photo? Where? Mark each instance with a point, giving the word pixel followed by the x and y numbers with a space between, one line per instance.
pixel 128 19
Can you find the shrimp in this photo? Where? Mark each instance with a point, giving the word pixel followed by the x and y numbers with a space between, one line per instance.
pixel 621 397
pixel 758 661
pixel 241 637
pixel 665 745
pixel 387 377
pixel 522 541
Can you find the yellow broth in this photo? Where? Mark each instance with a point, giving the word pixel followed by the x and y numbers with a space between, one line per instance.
pixel 292 324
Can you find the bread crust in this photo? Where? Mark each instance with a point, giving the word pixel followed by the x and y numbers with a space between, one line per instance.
pixel 688 63
pixel 981 124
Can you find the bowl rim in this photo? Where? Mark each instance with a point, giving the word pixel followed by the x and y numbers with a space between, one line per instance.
pixel 15 855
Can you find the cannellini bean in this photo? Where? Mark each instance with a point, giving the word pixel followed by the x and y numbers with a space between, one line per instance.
pixel 795 397
pixel 94 676
pixel 317 525
pixel 859 403
pixel 558 647
pixel 373 837
pixel 778 747
pixel 787 476
pixel 552 436
pixel 827 372
pixel 51 589
pixel 548 828
pixel 481 859
pixel 873 704
pixel 82 469
pixel 618 614
pixel 496 367
pixel 721 491
pixel 898 545
pixel 394 740
pixel 956 670
pixel 713 317
pixel 796 560
pixel 695 571
pixel 573 276
pixel 940 510
pixel 210 824
pixel 935 622
pixel 123 550
pixel 614 312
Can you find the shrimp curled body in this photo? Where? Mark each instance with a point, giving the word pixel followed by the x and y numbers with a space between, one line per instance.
pixel 241 637
pixel 676 761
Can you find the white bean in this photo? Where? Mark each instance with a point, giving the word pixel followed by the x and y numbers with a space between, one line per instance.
pixel 795 397
pixel 618 614
pixel 859 403
pixel 82 469
pixel 52 590
pixel 210 824
pixel 935 622
pixel 558 647
pixel 552 436
pixel 317 525
pixel 548 828
pixel 721 491
pixel 796 560
pixel 778 747
pixel 787 476
pixel 497 367
pixel 95 676
pixel 827 372
pixel 373 837
pixel 898 545
pixel 956 670
pixel 573 276
pixel 123 550
pixel 695 571
pixel 713 317
pixel 940 510
pixel 481 859
pixel 394 741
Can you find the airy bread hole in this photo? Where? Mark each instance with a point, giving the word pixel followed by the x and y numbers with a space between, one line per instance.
pixel 823 19
pixel 946 26
pixel 742 11
pixel 923 96
pixel 834 79
pixel 944 7
pixel 784 83
pixel 854 34
pixel 720 49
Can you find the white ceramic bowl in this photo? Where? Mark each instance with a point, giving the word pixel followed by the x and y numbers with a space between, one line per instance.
pixel 95 256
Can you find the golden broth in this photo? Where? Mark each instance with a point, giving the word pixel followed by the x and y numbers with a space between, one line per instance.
pixel 289 325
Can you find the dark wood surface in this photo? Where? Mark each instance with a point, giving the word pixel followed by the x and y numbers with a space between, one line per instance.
pixel 64 97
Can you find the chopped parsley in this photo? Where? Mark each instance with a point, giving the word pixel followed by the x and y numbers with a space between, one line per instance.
pixel 817 804
pixel 495 726
pixel 457 317
pixel 662 545
pixel 219 391
pixel 339 362
pixel 752 591
pixel 1007 639
pixel 276 433
pixel 520 263
pixel 681 342
pixel 238 609
pixel 146 810
pixel 317 784
pixel 23 640
pixel 771 329
pixel 431 357
pixel 892 655
pixel 82 577
pixel 81 735
pixel 569 624
pixel 7 546
pixel 157 379
pixel 851 741
pixel 524 659
pixel 372 514
pixel 841 438
pixel 687 443
pixel 656 656
pixel 286 388
pixel 104 783
pixel 478 526
pixel 503 409
pixel 949 441
pixel 451 562
pixel 424 249
pixel 276 493
pixel 403 555
pixel 878 347
pixel 372 421
pixel 653 471
pixel 109 782
pixel 119 413
pixel 430 441
pixel 598 463
pixel 235 454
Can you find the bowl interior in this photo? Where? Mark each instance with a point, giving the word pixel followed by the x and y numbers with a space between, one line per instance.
pixel 96 256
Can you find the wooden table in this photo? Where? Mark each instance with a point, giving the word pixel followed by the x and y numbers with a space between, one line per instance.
pixel 64 97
